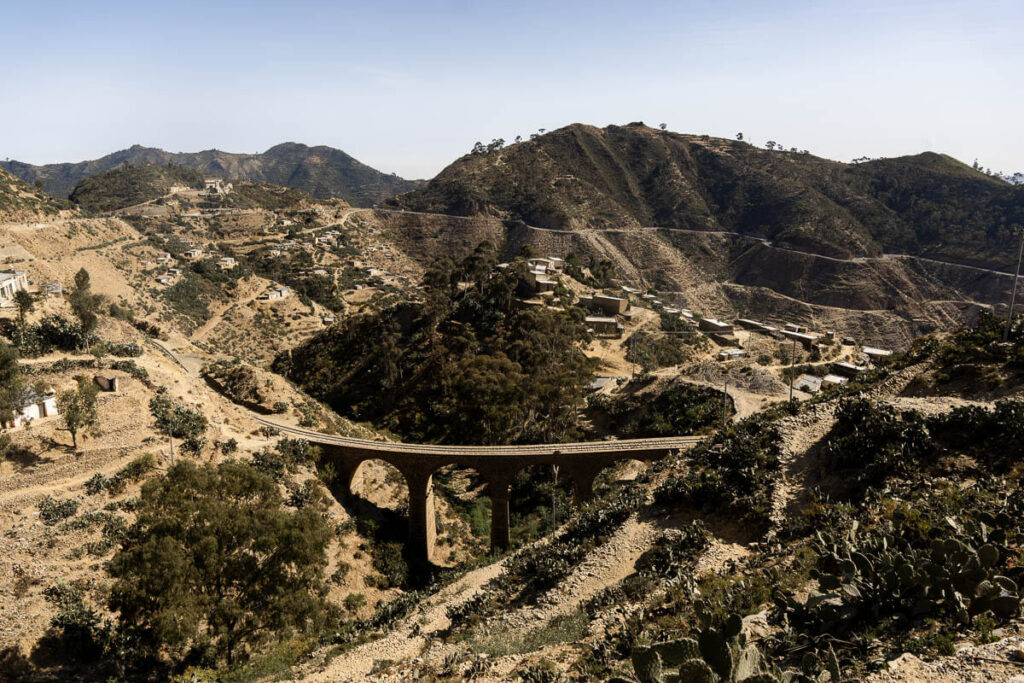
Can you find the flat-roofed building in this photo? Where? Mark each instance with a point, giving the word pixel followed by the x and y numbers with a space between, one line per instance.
pixel 609 304
pixel 605 327
pixel 876 354
pixel 714 325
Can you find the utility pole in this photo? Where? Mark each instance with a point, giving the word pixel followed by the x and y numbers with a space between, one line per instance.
pixel 725 400
pixel 792 372
pixel 554 500
pixel 1013 290
pixel 632 348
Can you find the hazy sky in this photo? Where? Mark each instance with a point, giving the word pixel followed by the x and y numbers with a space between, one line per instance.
pixel 408 86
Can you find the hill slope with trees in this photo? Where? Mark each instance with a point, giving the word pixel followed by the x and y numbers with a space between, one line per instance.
pixel 582 177
pixel 128 185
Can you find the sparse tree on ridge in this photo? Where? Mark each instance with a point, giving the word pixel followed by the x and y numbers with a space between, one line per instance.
pixel 663 126
pixel 84 303
pixel 739 136
pixel 77 408
pixel 25 303
pixel 11 385
pixel 175 420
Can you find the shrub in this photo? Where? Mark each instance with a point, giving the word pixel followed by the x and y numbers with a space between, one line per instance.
pixel 52 510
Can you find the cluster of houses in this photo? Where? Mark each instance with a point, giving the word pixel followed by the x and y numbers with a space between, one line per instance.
pixel 194 254
pixel 216 187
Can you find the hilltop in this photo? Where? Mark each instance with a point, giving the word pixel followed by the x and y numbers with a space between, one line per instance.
pixel 582 178
pixel 319 171
pixel 128 185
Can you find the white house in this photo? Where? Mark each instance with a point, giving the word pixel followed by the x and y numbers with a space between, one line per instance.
pixel 34 405
pixel 11 281
pixel 282 292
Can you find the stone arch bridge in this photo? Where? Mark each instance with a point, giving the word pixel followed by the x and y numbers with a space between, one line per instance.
pixel 497 465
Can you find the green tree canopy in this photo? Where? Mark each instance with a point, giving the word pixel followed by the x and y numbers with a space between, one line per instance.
pixel 178 422
pixel 11 384
pixel 215 565
pixel 84 303
pixel 77 407
pixel 25 303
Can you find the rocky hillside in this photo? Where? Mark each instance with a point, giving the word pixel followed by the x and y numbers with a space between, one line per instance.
pixel 320 171
pixel 581 177
pixel 20 201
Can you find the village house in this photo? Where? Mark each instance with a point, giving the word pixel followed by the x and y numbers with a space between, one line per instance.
pixel 275 294
pixel 193 254
pixel 11 281
pixel 539 281
pixel 163 280
pixel 848 369
pixel 53 289
pixel 808 383
pixel 604 327
pixel 226 263
pixel 714 325
pixel 612 305
pixel 216 186
pixel 731 353
pixel 34 405
pixel 806 339
pixel 163 257
pixel 876 355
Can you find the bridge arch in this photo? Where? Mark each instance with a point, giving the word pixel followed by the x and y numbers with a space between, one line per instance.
pixel 497 465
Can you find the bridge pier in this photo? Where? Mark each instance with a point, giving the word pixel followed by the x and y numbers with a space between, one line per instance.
pixel 498 490
pixel 583 476
pixel 422 522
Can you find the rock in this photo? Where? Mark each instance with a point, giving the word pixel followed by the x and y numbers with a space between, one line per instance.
pixel 1015 655
pixel 904 658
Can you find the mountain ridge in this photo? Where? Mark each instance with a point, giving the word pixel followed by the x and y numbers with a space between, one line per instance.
pixel 582 177
pixel 320 171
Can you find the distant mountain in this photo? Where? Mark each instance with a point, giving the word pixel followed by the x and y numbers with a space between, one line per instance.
pixel 581 177
pixel 319 171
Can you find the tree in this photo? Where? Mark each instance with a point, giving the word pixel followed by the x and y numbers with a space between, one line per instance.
pixel 84 303
pixel 663 126
pixel 25 303
pixel 215 566
pixel 77 407
pixel 11 385
pixel 770 144
pixel 176 421
pixel 739 136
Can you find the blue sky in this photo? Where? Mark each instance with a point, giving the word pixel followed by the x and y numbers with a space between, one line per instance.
pixel 408 86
